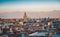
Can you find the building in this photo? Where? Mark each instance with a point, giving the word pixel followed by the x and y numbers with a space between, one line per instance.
pixel 25 18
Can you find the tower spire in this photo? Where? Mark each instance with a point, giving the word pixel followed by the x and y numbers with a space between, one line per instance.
pixel 25 14
pixel 25 17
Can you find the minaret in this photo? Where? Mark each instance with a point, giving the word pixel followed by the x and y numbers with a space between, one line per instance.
pixel 25 17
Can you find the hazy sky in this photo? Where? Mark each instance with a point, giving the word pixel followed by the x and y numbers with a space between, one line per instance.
pixel 29 6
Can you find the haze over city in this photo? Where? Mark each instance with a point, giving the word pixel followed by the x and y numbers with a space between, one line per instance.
pixel 33 8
